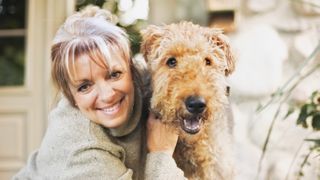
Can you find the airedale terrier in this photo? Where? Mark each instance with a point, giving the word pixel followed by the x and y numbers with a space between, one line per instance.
pixel 188 65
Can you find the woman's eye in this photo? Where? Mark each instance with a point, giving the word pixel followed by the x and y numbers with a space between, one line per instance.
pixel 83 87
pixel 115 74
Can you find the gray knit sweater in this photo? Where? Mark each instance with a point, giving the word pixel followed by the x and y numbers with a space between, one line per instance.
pixel 76 148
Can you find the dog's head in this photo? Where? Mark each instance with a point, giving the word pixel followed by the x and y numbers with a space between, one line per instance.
pixel 188 64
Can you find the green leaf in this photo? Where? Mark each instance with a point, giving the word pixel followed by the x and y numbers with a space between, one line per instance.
pixel 314 93
pixel 316 141
pixel 259 107
pixel 304 113
pixel 290 111
pixel 301 174
pixel 315 97
pixel 316 122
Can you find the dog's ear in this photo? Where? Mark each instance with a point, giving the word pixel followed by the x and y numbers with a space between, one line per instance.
pixel 221 41
pixel 150 40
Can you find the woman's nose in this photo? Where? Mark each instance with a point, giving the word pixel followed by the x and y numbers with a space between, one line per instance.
pixel 106 92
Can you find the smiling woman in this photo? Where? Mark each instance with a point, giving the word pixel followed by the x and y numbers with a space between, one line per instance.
pixel 98 73
pixel 97 130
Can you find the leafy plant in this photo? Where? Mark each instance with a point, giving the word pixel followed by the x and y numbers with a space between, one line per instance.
pixel 308 111
pixel 132 29
pixel 311 110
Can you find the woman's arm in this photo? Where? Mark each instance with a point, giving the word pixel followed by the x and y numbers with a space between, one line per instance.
pixel 96 163
pixel 161 142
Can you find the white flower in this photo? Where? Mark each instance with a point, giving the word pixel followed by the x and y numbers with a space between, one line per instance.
pixel 139 10
pixel 125 5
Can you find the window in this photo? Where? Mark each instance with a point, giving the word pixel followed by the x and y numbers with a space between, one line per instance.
pixel 12 42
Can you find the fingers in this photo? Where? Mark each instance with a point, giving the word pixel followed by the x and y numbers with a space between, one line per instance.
pixel 151 121
pixel 160 137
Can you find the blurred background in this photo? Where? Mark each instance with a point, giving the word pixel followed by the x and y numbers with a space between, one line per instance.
pixel 274 90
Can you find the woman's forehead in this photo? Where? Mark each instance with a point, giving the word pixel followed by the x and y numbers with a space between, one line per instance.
pixel 112 62
pixel 85 68
pixel 106 59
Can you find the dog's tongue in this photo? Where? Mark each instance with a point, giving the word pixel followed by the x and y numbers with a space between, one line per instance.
pixel 191 126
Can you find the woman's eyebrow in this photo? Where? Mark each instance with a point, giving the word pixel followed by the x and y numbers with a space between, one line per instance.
pixel 118 67
pixel 79 82
pixel 82 80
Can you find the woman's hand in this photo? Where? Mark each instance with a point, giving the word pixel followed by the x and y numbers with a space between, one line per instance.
pixel 160 137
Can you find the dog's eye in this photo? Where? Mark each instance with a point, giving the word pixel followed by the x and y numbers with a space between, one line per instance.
pixel 208 61
pixel 171 62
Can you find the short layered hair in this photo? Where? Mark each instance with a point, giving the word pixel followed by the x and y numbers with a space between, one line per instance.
pixel 90 32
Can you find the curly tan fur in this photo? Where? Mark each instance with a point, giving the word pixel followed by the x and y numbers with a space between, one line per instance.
pixel 203 60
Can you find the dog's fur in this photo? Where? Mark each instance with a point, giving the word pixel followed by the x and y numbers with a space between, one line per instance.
pixel 203 59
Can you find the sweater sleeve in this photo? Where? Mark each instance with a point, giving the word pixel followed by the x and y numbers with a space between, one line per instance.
pixel 160 165
pixel 94 163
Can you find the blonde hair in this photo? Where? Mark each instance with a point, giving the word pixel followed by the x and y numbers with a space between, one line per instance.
pixel 93 32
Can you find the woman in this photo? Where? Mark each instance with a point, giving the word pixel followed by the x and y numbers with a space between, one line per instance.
pixel 97 130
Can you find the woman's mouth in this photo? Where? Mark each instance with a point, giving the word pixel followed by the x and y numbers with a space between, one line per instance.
pixel 112 110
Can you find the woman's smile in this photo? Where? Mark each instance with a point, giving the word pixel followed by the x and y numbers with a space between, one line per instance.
pixel 112 110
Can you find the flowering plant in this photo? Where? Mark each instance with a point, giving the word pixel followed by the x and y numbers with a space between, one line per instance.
pixel 132 16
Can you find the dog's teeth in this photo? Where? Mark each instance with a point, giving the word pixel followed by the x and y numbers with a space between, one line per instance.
pixel 192 125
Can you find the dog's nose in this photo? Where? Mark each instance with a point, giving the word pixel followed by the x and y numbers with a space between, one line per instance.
pixel 195 104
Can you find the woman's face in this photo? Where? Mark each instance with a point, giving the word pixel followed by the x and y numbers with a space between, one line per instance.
pixel 106 98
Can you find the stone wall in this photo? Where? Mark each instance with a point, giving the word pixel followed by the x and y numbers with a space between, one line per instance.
pixel 271 43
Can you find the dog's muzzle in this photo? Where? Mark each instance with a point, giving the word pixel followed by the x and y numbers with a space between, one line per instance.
pixel 195 106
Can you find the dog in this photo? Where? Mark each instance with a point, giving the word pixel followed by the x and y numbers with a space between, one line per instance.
pixel 188 65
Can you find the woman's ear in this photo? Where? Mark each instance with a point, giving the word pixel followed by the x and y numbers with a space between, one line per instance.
pixel 150 41
pixel 221 41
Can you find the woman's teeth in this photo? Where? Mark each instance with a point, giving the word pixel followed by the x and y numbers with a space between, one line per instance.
pixel 112 110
